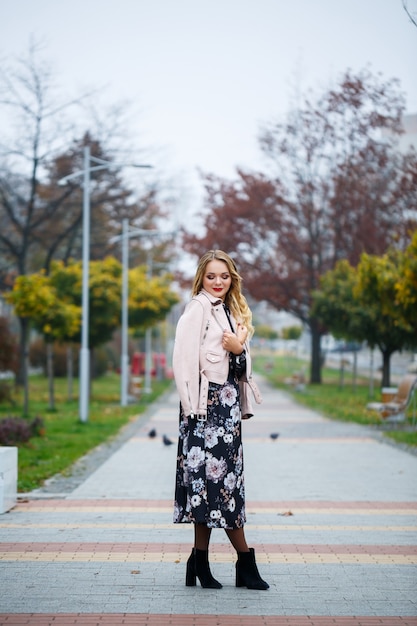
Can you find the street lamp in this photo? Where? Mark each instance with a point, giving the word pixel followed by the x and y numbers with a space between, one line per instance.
pixel 84 374
pixel 127 233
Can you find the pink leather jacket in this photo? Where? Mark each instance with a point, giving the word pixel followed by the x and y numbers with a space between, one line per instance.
pixel 199 357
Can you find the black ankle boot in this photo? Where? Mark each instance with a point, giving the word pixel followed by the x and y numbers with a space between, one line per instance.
pixel 247 574
pixel 198 567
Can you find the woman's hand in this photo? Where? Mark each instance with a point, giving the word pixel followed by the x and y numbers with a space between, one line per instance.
pixel 231 342
pixel 242 333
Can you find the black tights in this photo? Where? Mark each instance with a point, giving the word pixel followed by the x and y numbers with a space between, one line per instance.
pixel 236 537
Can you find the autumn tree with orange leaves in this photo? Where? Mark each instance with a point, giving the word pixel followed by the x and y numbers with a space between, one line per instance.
pixel 336 187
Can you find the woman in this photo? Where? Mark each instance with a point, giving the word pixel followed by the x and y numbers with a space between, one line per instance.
pixel 212 370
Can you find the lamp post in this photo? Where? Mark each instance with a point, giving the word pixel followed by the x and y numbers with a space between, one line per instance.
pixel 148 335
pixel 127 233
pixel 124 359
pixel 84 374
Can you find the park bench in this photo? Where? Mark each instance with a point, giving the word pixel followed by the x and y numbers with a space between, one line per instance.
pixel 394 410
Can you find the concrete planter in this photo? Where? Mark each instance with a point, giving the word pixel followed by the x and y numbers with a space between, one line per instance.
pixel 8 478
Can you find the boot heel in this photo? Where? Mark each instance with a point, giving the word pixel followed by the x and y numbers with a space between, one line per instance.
pixel 190 580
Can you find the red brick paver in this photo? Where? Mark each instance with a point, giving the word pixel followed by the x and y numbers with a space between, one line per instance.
pixel 143 619
pixel 25 505
pixel 136 547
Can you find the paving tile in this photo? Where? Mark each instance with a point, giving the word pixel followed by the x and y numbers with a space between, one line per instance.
pixel 332 514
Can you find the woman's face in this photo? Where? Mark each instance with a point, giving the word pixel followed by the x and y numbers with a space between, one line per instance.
pixel 217 279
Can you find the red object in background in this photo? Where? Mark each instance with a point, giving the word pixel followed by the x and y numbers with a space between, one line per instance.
pixel 160 361
pixel 137 367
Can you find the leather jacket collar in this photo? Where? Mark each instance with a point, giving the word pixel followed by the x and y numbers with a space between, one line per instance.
pixel 209 297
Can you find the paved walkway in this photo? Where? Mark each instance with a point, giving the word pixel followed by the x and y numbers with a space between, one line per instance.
pixel 331 515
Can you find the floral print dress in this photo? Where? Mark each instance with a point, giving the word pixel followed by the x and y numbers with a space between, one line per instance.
pixel 209 476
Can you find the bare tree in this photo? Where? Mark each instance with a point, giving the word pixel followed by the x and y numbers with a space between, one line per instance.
pixel 24 153
pixel 411 16
pixel 40 220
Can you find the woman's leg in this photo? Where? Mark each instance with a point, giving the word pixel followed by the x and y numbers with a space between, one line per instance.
pixel 247 574
pixel 198 563
pixel 237 539
pixel 201 536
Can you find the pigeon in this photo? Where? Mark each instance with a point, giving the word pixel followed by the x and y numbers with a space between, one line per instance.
pixel 167 441
pixel 152 433
pixel 274 436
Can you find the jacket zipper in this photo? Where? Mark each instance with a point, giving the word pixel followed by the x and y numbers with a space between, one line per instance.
pixel 205 332
pixel 215 317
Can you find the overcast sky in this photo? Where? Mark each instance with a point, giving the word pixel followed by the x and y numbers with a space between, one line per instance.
pixel 203 76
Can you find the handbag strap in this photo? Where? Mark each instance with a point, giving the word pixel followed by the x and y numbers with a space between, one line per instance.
pixel 227 311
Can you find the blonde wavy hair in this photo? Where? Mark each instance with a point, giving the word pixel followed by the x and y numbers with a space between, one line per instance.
pixel 235 299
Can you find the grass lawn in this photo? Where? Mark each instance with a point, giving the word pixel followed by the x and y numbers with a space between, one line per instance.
pixel 341 402
pixel 66 438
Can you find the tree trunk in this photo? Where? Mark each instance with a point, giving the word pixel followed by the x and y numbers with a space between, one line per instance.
pixel 70 372
pixel 22 377
pixel 371 375
pixel 24 329
pixel 386 368
pixel 92 371
pixel 50 371
pixel 342 371
pixel 316 364
pixel 355 371
pixel 26 375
